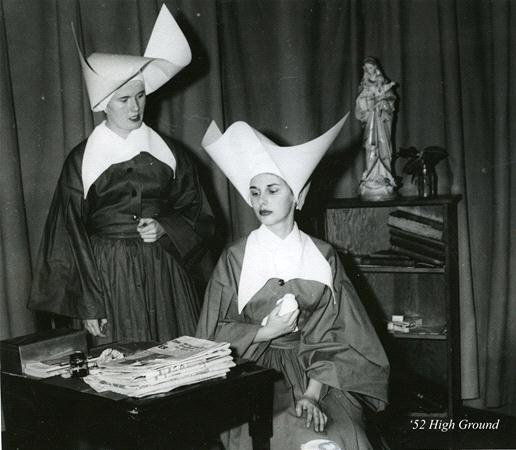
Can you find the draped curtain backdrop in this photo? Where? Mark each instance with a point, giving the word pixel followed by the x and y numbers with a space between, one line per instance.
pixel 291 68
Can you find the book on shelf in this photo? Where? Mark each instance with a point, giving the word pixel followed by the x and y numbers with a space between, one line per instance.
pixel 437 244
pixel 384 258
pixel 419 257
pixel 403 214
pixel 416 246
pixel 424 211
pixel 416 224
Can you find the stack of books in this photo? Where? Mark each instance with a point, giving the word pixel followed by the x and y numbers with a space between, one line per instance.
pixel 182 361
pixel 417 234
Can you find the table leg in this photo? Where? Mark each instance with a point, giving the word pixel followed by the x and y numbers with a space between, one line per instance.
pixel 260 425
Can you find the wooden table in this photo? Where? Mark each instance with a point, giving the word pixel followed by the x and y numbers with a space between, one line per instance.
pixel 58 413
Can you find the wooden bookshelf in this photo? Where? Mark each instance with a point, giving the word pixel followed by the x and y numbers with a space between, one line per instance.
pixel 358 227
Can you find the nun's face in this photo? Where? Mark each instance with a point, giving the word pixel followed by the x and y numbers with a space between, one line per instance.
pixel 124 112
pixel 273 202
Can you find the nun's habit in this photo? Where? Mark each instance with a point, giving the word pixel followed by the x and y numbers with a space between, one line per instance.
pixel 92 262
pixel 335 342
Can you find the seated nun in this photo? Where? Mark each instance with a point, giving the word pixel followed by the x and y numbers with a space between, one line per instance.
pixel 283 300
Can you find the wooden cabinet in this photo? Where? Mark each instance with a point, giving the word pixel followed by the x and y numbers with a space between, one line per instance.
pixel 425 362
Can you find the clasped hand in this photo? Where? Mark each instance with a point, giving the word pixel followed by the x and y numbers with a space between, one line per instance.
pixel 277 325
pixel 313 412
pixel 95 327
pixel 150 230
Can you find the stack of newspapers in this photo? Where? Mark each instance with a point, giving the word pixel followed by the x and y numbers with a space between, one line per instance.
pixel 182 361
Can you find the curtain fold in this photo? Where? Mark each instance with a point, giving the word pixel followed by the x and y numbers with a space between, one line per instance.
pixel 501 337
pixel 453 100
pixel 290 68
pixel 15 268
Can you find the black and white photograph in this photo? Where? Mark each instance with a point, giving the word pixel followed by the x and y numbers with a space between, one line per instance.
pixel 258 224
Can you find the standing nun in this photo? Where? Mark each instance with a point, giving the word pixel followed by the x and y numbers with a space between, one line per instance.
pixel 282 299
pixel 128 214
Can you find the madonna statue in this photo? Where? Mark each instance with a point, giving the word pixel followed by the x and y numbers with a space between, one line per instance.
pixel 375 108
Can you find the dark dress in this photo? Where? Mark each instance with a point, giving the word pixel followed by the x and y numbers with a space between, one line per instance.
pixel 336 345
pixel 92 262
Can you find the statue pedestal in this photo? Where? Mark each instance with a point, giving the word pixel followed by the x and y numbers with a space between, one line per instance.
pixel 372 197
pixel 377 190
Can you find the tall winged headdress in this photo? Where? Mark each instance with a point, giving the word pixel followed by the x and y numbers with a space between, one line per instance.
pixel 242 153
pixel 167 53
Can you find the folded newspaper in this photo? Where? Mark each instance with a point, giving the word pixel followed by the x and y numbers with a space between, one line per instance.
pixel 58 365
pixel 44 369
pixel 179 362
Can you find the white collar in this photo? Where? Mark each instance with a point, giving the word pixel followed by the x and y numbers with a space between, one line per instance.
pixel 105 148
pixel 268 256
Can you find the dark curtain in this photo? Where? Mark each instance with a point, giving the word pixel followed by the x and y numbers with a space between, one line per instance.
pixel 15 272
pixel 291 68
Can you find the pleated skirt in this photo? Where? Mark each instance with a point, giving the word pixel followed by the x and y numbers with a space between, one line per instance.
pixel 149 295
pixel 345 427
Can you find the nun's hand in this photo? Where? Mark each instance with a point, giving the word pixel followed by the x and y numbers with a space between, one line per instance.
pixel 150 230
pixel 313 413
pixel 277 325
pixel 95 326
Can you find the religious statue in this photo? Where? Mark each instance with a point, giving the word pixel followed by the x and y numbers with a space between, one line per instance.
pixel 375 109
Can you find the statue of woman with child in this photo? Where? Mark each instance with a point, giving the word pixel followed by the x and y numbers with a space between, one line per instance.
pixel 375 109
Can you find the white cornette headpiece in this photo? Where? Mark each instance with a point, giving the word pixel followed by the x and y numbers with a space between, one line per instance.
pixel 242 153
pixel 166 54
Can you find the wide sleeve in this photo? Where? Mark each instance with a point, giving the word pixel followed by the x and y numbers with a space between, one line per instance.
pixel 65 279
pixel 219 320
pixel 186 216
pixel 339 346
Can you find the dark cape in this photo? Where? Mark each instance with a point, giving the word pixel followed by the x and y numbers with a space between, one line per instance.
pixel 336 344
pixel 92 262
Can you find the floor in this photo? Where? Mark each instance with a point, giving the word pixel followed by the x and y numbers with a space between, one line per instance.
pixel 409 434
